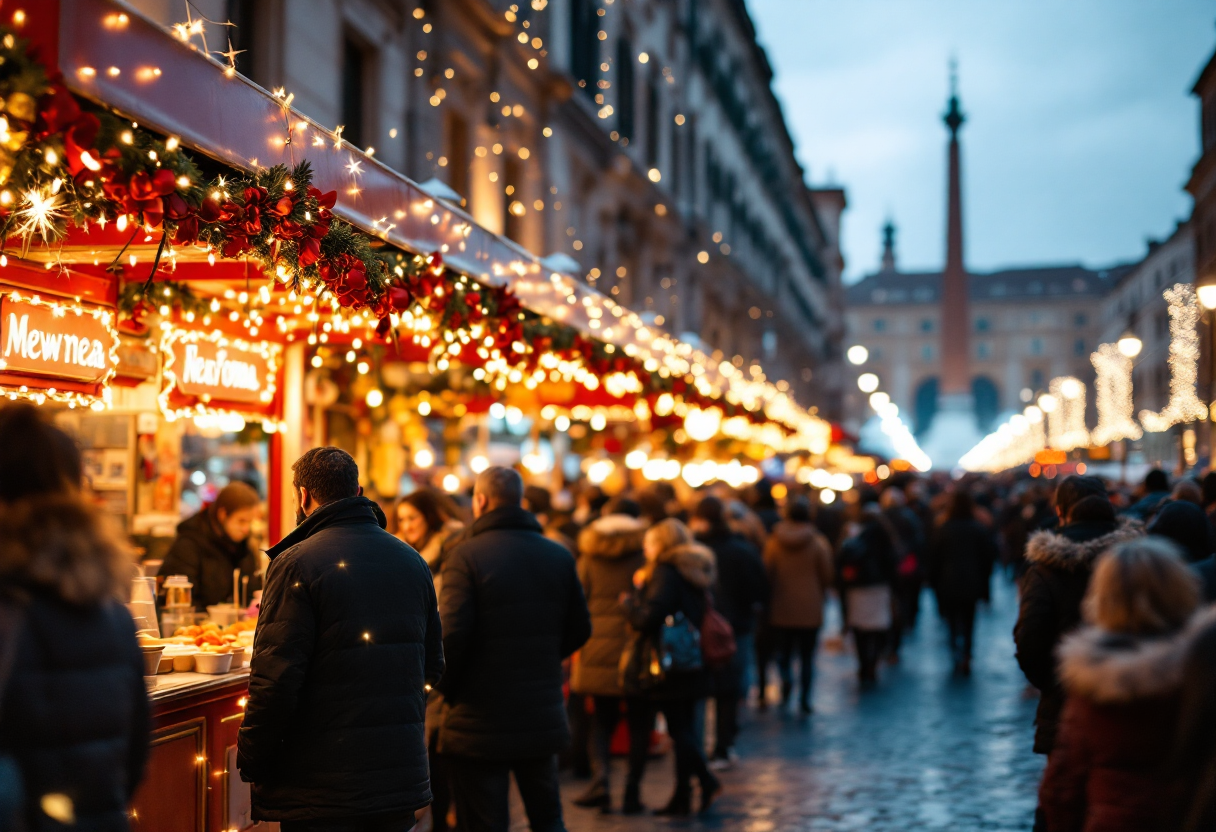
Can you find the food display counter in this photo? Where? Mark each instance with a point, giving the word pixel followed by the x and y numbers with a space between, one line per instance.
pixel 191 783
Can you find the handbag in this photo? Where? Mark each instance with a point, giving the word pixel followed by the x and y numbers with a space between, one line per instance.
pixel 717 637
pixel 680 643
pixel 12 792
pixel 640 669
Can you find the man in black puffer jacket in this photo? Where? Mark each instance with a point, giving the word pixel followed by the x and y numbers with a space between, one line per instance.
pixel 512 610
pixel 347 645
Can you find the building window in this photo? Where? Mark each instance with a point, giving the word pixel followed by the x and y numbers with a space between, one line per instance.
pixel 982 325
pixel 1163 325
pixel 983 351
pixel 584 45
pixel 354 90
pixel 652 122
pixel 1036 379
pixel 1078 347
pixel 1079 319
pixel 458 153
pixel 242 33
pixel 926 352
pixel 926 325
pixel 513 204
pixel 1036 346
pixel 624 88
pixel 880 324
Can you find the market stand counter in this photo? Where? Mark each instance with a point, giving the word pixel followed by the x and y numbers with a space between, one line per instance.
pixel 191 783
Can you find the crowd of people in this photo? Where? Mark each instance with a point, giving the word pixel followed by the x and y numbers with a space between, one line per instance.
pixel 410 660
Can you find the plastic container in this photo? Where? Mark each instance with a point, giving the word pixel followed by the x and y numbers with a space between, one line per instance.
pixel 143 606
pixel 212 663
pixel 223 614
pixel 152 656
pixel 179 592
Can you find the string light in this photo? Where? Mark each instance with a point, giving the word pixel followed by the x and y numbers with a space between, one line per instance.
pixel 1066 421
pixel 1184 405
pixel 1113 388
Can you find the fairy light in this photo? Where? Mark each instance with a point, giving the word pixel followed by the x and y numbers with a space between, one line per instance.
pixel 1184 405
pixel 38 214
pixel 1113 388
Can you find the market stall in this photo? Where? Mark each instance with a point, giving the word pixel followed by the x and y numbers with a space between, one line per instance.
pixel 199 283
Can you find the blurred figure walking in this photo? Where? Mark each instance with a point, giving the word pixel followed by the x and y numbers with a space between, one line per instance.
pixel 74 717
pixel 866 569
pixel 798 561
pixel 512 610
pixel 960 571
pixel 610 552
pixel 674 586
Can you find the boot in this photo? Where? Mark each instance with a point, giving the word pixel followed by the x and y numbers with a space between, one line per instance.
pixel 679 805
pixel 710 788
pixel 633 801
pixel 596 797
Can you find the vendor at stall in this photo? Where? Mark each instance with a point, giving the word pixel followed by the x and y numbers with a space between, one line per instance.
pixel 213 543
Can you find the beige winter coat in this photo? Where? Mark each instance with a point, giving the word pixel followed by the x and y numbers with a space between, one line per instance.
pixel 799 565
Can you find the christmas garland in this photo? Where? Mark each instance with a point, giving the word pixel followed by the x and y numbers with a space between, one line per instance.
pixel 63 163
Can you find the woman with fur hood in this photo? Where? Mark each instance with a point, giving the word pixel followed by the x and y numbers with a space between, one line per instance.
pixel 75 711
pixel 1060 563
pixel 1123 675
pixel 676 579
pixel 610 552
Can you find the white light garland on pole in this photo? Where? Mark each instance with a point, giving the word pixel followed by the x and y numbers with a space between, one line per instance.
pixel 1113 389
pixel 1066 421
pixel 1184 405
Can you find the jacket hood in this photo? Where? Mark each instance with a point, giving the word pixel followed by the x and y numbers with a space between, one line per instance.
pixel 612 536
pixel 793 536
pixel 1112 668
pixel 62 545
pixel 1055 548
pixel 694 561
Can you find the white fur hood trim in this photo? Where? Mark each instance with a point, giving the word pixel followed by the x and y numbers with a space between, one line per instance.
pixel 1054 549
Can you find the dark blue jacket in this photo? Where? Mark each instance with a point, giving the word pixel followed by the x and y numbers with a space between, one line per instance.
pixel 348 638
pixel 513 609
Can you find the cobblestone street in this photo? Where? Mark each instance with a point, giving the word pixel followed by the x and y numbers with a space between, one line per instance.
pixel 921 751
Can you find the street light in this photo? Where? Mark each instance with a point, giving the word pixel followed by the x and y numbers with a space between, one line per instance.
pixel 1130 345
pixel 1207 295
pixel 857 354
pixel 1047 403
pixel 867 382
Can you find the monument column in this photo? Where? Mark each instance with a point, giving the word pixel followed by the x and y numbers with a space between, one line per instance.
pixel 956 316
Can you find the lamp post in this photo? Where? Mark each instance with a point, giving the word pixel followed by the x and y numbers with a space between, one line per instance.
pixel 1129 346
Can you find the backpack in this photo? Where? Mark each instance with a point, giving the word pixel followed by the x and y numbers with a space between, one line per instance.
pixel 717 637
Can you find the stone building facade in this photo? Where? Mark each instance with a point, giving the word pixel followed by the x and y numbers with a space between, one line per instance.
pixel 639 140
pixel 1027 326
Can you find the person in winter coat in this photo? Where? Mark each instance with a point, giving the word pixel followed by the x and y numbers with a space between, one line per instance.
pixel 1054 584
pixel 676 580
pixel 214 542
pixel 74 716
pixel 1156 490
pixel 428 521
pixel 610 552
pixel 798 561
pixel 866 569
pixel 347 643
pixel 1188 526
pixel 1123 675
pixel 909 576
pixel 739 594
pixel 512 610
pixel 960 569
pixel 1193 756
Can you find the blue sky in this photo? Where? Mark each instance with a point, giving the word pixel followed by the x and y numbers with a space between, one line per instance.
pixel 1081 128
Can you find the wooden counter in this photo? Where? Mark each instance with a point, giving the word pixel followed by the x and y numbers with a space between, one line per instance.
pixel 191 783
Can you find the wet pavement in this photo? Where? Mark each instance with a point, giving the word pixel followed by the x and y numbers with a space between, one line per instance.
pixel 919 751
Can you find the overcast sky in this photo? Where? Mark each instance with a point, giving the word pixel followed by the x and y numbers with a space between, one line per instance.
pixel 1081 128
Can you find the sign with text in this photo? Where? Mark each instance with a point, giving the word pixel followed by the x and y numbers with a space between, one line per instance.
pixel 209 369
pixel 52 339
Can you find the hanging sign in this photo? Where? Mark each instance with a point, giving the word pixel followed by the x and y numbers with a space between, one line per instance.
pixel 61 340
pixel 207 370
pixel 210 372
